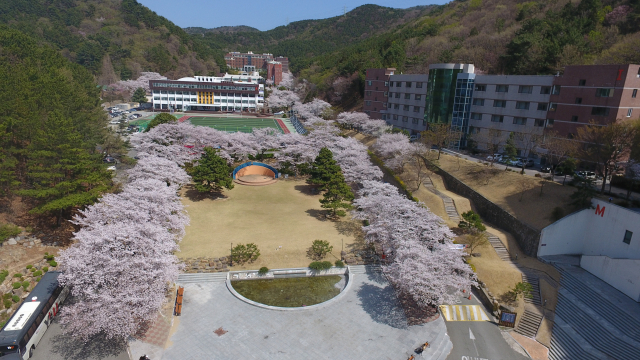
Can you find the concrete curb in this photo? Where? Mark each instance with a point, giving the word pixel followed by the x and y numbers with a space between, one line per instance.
pixel 348 278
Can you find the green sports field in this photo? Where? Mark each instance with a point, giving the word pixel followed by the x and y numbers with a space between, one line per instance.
pixel 234 124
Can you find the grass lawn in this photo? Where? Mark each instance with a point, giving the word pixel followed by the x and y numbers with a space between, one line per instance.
pixel 282 219
pixel 505 189
pixel 234 124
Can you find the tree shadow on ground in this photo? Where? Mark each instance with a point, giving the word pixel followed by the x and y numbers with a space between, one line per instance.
pixel 318 214
pixel 376 276
pixel 310 190
pixel 194 195
pixel 381 304
pixel 97 347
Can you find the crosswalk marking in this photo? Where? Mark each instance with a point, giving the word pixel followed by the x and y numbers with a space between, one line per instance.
pixel 463 313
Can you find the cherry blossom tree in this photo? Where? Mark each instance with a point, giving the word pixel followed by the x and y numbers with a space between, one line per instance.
pixel 314 108
pixel 287 80
pixel 418 246
pixel 120 267
pixel 279 99
pixel 141 82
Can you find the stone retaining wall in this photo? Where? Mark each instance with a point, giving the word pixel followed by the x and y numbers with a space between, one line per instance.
pixel 282 273
pixel 526 235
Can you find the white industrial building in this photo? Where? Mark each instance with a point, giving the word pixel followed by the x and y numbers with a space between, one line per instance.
pixel 606 238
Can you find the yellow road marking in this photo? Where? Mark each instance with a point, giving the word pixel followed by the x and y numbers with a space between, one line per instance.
pixel 463 313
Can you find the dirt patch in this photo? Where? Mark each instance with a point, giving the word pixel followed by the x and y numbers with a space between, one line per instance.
pixel 282 219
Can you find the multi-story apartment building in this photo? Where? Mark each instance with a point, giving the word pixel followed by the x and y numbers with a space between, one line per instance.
pixel 228 93
pixel 599 93
pixel 406 102
pixel 376 92
pixel 509 103
pixel 251 61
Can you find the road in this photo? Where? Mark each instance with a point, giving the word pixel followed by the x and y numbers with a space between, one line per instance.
pixel 57 346
pixel 478 340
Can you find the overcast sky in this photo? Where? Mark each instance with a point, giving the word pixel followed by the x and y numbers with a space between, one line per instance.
pixel 260 14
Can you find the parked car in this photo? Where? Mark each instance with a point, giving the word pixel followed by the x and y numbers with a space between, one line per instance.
pixel 413 138
pixel 494 157
pixel 111 168
pixel 545 169
pixel 279 113
pixel 109 160
pixel 586 174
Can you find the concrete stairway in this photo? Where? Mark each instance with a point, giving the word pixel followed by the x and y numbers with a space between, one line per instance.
pixel 449 205
pixel 565 347
pixel 594 329
pixel 202 278
pixel 499 247
pixel 617 317
pixel 450 209
pixel 529 323
pixel 535 288
pixel 364 269
pixel 289 125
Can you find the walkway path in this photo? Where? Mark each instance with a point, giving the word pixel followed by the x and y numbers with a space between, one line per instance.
pixel 366 323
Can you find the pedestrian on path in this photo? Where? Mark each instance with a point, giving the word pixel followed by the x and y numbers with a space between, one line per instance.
pixel 422 348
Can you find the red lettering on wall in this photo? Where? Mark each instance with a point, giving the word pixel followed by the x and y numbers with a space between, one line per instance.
pixel 599 210
pixel 619 75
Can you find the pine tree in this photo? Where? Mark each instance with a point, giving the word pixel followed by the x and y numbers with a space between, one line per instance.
pixel 139 96
pixel 63 172
pixel 337 196
pixel 323 169
pixel 212 172
pixel 162 118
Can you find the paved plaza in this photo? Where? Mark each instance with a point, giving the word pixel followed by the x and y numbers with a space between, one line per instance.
pixel 365 323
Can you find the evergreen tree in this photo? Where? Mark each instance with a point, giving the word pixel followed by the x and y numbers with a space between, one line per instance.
pixel 162 118
pixel 212 172
pixel 139 96
pixel 323 169
pixel 337 196
pixel 510 149
pixel 8 162
pixel 62 172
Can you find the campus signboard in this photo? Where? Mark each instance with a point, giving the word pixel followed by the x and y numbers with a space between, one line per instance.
pixel 507 319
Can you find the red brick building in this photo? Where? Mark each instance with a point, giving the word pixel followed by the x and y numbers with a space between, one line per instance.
pixel 284 61
pixel 237 60
pixel 274 71
pixel 602 93
pixel 376 91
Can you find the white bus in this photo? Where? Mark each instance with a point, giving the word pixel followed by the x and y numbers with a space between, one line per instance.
pixel 22 332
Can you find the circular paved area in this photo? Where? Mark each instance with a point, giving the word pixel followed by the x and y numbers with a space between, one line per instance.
pixel 366 323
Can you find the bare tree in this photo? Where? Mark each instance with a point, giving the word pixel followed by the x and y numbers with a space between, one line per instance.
pixel 556 148
pixel 492 140
pixel 475 239
pixel 528 142
pixel 439 135
pixel 607 145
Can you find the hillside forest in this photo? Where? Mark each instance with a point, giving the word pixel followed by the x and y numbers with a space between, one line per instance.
pixel 54 54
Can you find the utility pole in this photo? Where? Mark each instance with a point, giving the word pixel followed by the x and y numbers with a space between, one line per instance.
pixel 344 9
pixel 287 21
